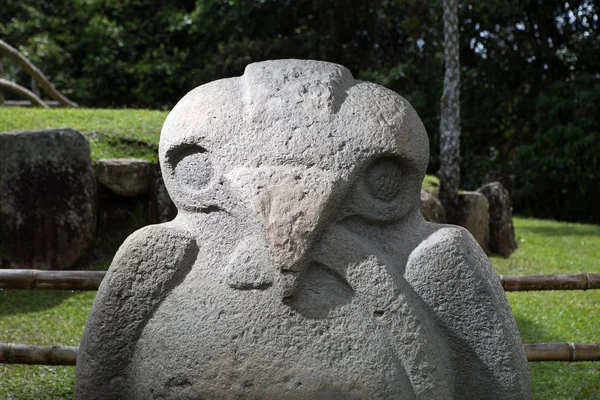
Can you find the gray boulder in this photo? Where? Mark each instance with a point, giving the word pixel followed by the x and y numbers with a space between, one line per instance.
pixel 507 181
pixel 125 176
pixel 47 198
pixel 432 208
pixel 299 264
pixel 473 215
pixel 502 232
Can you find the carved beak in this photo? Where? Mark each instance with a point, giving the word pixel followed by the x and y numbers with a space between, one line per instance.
pixel 291 206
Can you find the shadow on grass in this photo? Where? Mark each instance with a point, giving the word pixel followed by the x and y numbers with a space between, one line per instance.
pixel 26 301
pixel 582 230
pixel 532 332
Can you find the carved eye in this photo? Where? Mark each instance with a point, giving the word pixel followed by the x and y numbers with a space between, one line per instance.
pixel 191 166
pixel 383 179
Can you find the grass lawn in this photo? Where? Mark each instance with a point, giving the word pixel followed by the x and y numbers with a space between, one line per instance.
pixel 56 317
pixel 111 133
pixel 547 247
pixel 41 318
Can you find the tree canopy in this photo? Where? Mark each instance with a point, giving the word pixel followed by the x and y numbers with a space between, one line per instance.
pixel 522 65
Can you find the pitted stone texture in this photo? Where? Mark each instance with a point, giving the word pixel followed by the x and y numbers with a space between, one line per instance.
pixel 473 215
pixel 299 265
pixel 47 198
pixel 502 231
pixel 125 176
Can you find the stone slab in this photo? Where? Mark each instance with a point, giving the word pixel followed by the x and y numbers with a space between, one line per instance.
pixel 125 176
pixel 47 198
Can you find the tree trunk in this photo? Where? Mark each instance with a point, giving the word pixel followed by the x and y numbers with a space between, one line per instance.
pixel 20 90
pixel 35 73
pixel 449 172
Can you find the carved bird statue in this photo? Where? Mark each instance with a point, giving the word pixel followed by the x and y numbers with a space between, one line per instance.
pixel 299 265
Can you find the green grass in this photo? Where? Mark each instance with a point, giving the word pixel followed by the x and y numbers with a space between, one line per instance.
pixel 41 318
pixel 431 183
pixel 53 317
pixel 548 247
pixel 111 133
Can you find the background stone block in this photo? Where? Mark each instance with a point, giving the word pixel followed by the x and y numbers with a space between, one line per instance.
pixel 47 198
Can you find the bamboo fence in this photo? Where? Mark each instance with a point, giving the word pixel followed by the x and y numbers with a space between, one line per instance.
pixel 67 355
pixel 33 71
pixel 90 280
pixel 37 355
pixel 57 280
pixel 562 351
pixel 514 283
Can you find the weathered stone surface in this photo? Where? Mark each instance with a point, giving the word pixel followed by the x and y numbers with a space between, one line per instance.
pixel 125 176
pixel 47 198
pixel 160 206
pixel 299 265
pixel 502 232
pixel 473 215
pixel 507 180
pixel 431 208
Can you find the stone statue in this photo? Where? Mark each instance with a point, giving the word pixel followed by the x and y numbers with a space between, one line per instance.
pixel 299 265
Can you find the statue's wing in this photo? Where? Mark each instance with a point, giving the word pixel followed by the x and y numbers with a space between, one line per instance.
pixel 454 278
pixel 149 264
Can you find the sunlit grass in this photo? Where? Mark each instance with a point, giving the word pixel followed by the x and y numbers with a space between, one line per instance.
pixel 431 183
pixel 111 133
pixel 549 247
pixel 41 318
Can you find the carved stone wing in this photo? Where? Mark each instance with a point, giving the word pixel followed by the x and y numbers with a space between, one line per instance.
pixel 149 264
pixel 453 276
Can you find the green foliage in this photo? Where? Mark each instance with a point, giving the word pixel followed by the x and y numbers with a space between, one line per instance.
pixel 431 183
pixel 149 53
pixel 111 133
pixel 559 171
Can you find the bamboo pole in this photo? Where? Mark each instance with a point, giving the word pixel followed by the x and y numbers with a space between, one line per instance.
pixel 33 71
pixel 90 280
pixel 56 280
pixel 584 281
pixel 27 103
pixel 22 91
pixel 562 351
pixel 67 355
pixel 37 355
